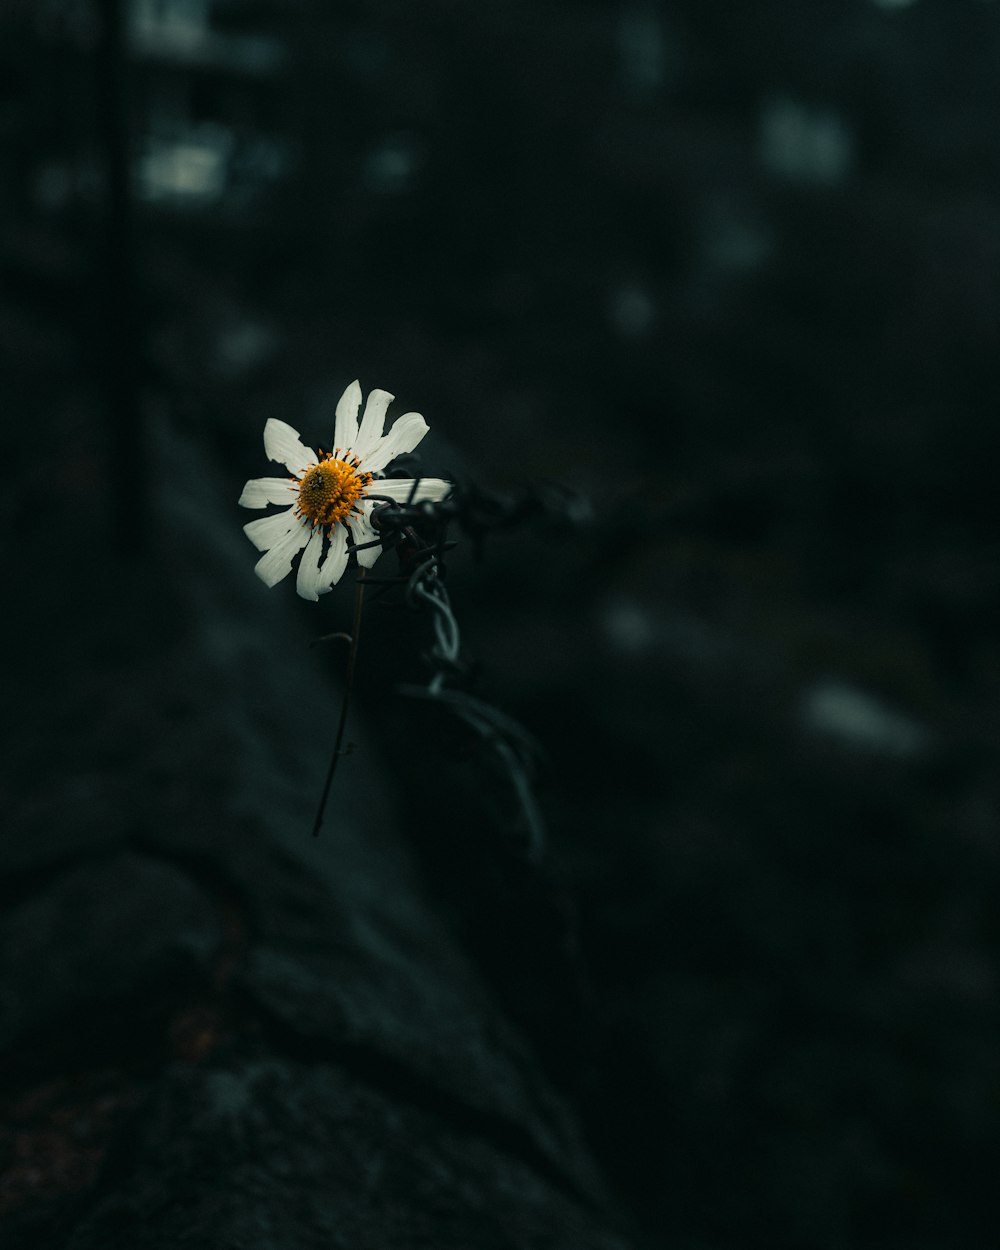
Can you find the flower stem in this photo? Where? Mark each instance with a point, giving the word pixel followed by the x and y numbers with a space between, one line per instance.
pixel 352 657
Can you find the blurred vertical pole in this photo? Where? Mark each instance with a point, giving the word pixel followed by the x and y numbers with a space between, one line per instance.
pixel 121 335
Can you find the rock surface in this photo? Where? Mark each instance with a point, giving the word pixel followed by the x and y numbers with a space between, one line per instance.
pixel 302 1055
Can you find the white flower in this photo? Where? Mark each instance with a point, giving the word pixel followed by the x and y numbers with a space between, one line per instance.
pixel 328 499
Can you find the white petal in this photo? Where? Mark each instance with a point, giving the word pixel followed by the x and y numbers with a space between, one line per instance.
pixel 261 491
pixel 399 488
pixel 271 568
pixel 307 580
pixel 362 531
pixel 368 557
pixel 267 531
pixel 336 560
pixel 372 423
pixel 403 437
pixel 345 432
pixel 282 443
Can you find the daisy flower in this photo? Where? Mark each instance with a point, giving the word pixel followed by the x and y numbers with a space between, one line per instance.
pixel 328 499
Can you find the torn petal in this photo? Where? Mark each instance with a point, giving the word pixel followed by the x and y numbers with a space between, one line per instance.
pixel 277 563
pixel 336 560
pixel 283 444
pixel 345 433
pixel 403 437
pixel 268 530
pixel 308 582
pixel 362 531
pixel 422 488
pixel 260 491
pixel 372 423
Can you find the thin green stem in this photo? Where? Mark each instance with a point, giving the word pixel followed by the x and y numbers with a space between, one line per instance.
pixel 352 657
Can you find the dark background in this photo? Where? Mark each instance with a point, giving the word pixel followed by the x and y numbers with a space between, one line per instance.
pixel 731 271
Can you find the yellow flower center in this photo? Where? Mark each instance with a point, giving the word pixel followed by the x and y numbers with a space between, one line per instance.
pixel 329 491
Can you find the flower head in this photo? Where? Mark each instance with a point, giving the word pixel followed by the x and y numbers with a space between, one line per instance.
pixel 328 500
